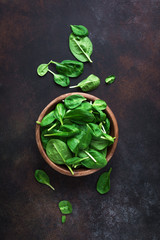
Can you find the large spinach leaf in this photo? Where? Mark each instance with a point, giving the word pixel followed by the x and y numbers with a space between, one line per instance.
pixel 81 47
pixel 79 115
pixel 74 101
pixel 58 151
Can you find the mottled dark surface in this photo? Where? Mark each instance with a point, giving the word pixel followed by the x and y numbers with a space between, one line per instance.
pixel 126 40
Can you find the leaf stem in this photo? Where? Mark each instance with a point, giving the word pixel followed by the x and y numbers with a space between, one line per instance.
pixel 82 50
pixel 90 156
pixel 70 169
pixel 49 185
pixel 52 127
pixel 73 86
pixel 51 72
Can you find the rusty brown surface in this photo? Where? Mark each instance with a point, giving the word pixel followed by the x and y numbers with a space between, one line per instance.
pixel 126 41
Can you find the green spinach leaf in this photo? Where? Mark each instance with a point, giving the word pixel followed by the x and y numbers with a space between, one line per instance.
pixel 73 101
pixel 79 30
pixel 48 119
pixel 65 207
pixel 110 79
pixel 88 84
pixel 43 178
pixel 59 112
pixel 63 219
pixel 61 80
pixel 79 115
pixel 58 151
pixel 103 183
pixel 42 69
pixel 99 104
pixel 96 159
pixel 81 47
pixel 70 68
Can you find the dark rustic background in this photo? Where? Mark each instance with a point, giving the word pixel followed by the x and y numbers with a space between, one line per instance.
pixel 126 41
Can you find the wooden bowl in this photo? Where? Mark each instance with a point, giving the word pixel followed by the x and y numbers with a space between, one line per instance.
pixel 63 169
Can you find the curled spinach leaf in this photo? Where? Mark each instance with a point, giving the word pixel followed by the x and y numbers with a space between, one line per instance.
pixel 88 84
pixel 65 207
pixel 81 47
pixel 110 79
pixel 70 68
pixel 79 30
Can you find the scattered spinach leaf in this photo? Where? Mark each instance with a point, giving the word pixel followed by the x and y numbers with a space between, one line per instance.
pixel 110 79
pixel 103 183
pixel 43 178
pixel 79 30
pixel 65 207
pixel 61 80
pixel 63 218
pixel 81 47
pixel 88 84
pixel 42 69
pixel 70 68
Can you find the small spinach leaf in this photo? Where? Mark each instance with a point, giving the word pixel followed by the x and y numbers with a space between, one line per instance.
pixel 103 183
pixel 59 112
pixel 110 79
pixel 88 84
pixel 63 219
pixel 61 80
pixel 43 178
pixel 65 207
pixel 79 30
pixel 42 69
pixel 70 68
pixel 99 104
pixel 48 119
pixel 73 101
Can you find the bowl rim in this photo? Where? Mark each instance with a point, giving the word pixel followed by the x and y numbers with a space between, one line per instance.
pixel 59 168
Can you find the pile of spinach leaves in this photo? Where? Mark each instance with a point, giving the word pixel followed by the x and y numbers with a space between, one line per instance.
pixel 76 133
pixel 81 47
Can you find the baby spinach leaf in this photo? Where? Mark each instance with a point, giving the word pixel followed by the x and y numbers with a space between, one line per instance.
pixel 103 183
pixel 63 218
pixel 48 119
pixel 42 69
pixel 86 137
pixel 109 138
pixel 64 131
pixel 99 104
pixel 61 80
pixel 79 115
pixel 59 112
pixel 98 143
pixel 65 207
pixel 75 160
pixel 73 101
pixel 70 68
pixel 81 47
pixel 96 159
pixel 58 151
pixel 107 125
pixel 100 116
pixel 85 105
pixel 110 79
pixel 96 131
pixel 73 144
pixel 88 84
pixel 79 30
pixel 42 177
